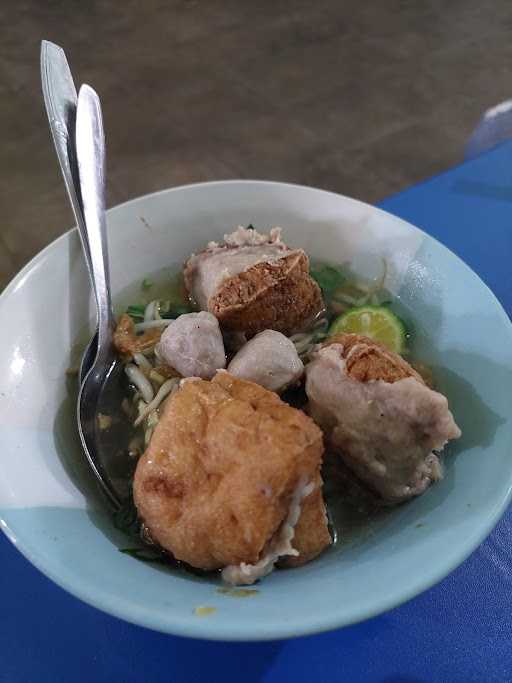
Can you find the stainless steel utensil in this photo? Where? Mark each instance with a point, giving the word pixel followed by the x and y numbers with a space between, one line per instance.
pixel 98 364
pixel 60 99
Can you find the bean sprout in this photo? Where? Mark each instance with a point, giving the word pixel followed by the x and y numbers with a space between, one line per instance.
pixel 149 312
pixel 151 424
pixel 140 381
pixel 359 293
pixel 155 376
pixel 305 341
pixel 143 363
pixel 140 327
pixel 302 340
pixel 166 388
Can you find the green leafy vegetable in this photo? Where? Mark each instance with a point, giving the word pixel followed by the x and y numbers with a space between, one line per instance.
pixel 328 277
pixel 145 554
pixel 168 309
pixel 146 284
pixel 127 520
pixel 136 311
pixel 251 227
pixel 318 337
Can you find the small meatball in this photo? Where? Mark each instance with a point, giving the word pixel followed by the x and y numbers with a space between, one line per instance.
pixel 254 282
pixel 270 359
pixel 222 481
pixel 378 415
pixel 192 344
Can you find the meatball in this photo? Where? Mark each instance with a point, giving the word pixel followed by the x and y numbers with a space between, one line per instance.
pixel 226 464
pixel 270 359
pixel 379 416
pixel 253 282
pixel 192 344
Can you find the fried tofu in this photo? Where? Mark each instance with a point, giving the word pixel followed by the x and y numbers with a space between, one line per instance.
pixel 223 466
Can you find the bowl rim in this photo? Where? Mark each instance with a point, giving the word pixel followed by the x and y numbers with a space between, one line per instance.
pixel 123 609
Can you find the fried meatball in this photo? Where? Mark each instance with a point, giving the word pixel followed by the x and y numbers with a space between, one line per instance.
pixel 253 282
pixel 193 345
pixel 270 359
pixel 367 359
pixel 225 463
pixel 379 416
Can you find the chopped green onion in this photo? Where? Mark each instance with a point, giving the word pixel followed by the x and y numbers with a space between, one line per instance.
pixel 169 310
pixel 136 311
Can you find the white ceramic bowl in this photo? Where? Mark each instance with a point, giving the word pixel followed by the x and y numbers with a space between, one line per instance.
pixel 48 504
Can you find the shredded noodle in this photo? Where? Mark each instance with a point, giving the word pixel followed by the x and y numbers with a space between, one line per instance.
pixel 140 381
pixel 167 388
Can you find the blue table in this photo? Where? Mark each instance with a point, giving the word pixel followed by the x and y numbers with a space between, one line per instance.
pixel 461 630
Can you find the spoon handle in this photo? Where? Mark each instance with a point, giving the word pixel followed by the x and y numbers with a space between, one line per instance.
pixel 60 99
pixel 90 151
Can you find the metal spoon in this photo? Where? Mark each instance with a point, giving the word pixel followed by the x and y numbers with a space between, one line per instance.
pixel 61 104
pixel 60 98
pixel 105 369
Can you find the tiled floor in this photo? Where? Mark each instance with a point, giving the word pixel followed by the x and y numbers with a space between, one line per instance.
pixel 363 98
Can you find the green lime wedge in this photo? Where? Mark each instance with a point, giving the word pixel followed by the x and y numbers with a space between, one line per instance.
pixel 375 322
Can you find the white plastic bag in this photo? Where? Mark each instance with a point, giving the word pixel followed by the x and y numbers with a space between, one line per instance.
pixel 495 126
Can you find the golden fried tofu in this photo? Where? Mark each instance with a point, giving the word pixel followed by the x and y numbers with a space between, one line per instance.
pixel 254 282
pixel 224 465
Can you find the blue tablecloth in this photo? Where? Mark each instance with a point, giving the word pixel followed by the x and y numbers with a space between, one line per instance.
pixel 461 630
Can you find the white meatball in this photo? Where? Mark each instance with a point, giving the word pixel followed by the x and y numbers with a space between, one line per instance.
pixel 192 344
pixel 268 359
